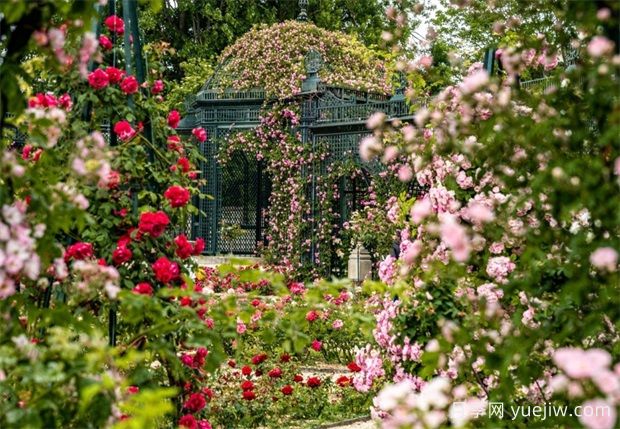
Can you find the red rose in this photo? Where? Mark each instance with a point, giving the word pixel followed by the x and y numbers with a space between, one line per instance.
pixel 43 100
pixel 115 75
pixel 343 381
pixel 201 353
pixel 79 251
pixel 195 402
pixel 260 358
pixel 199 246
pixel 312 315
pixel 177 195
pixel 232 363
pixel 247 385
pixel 143 289
pixel 316 345
pixel 188 421
pixel 37 155
pixel 153 223
pixel 174 118
pixel 125 239
pixel 165 270
pixel 35 101
pixel 275 373
pixel 285 358
pixel 105 42
pixel 186 301
pixel 246 370
pixel 287 390
pixel 65 102
pixel 121 255
pixel 184 248
pixel 121 213
pixel 114 179
pixel 98 79
pixel 115 24
pixel 158 86
pixel 208 392
pixel 200 134
pixel 298 378
pixel 124 130
pixel 26 152
pixel 248 395
pixel 129 85
pixel 132 390
pixel 313 382
pixel 184 164
pixel 353 367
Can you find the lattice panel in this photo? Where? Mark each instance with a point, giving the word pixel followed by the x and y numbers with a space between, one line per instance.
pixel 239 204
pixel 343 146
pixel 205 224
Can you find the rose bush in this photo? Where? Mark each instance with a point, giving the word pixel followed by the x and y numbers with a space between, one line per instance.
pixel 507 277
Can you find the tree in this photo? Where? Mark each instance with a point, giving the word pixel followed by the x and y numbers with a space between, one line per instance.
pixel 203 28
pixel 483 24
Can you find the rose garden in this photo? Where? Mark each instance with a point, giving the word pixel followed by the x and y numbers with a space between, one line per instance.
pixel 250 214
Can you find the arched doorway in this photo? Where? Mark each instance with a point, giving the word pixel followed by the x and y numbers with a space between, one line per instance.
pixel 245 190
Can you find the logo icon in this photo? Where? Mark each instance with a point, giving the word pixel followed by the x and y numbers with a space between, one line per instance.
pixel 496 409
pixel 459 410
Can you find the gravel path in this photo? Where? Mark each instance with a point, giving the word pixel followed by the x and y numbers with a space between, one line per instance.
pixel 368 424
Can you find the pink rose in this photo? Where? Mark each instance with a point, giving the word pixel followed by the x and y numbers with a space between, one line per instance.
pixel 604 258
pixel 598 414
pixel 578 363
pixel 421 209
pixel 600 46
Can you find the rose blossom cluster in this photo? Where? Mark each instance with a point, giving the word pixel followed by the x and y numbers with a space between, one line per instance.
pixel 90 159
pixel 18 248
pixel 285 158
pixel 281 72
pixel 592 365
pixel 481 214
pixel 91 277
pixel 403 405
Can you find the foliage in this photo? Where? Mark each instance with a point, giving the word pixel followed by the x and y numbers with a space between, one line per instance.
pixel 18 23
pixel 196 71
pixel 484 24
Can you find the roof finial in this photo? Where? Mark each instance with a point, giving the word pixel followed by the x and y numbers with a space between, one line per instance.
pixel 303 14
